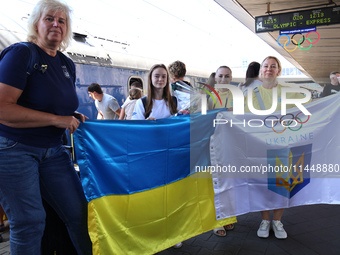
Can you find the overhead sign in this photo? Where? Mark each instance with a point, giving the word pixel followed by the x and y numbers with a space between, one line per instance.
pixel 298 20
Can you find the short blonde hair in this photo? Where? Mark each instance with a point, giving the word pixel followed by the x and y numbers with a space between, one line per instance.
pixel 44 6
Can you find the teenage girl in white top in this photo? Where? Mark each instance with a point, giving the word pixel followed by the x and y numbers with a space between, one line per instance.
pixel 159 102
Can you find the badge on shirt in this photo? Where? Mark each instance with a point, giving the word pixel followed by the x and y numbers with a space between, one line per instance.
pixel 67 75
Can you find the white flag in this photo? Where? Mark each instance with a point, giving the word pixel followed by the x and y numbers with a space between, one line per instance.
pixel 271 162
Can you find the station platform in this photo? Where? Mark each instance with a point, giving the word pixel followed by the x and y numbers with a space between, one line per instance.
pixel 312 230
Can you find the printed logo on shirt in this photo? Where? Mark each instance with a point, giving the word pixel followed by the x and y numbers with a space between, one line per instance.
pixel 67 75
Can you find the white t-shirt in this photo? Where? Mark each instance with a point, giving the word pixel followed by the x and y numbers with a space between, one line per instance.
pixel 107 107
pixel 129 107
pixel 159 110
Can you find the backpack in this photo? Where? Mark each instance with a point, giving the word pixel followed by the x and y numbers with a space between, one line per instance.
pixel 34 61
pixel 174 99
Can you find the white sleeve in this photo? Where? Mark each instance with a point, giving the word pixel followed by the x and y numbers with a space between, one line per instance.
pixel 124 105
pixel 127 101
pixel 139 111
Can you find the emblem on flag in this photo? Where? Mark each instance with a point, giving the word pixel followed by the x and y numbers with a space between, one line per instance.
pixel 287 175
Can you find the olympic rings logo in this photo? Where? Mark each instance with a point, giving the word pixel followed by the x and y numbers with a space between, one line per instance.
pixel 294 123
pixel 301 41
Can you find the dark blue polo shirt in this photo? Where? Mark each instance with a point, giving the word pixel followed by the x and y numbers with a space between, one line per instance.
pixel 52 91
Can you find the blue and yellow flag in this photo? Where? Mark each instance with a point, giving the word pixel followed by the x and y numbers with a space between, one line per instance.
pixel 139 178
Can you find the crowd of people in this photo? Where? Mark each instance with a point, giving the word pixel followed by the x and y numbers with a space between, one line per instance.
pixel 36 109
pixel 260 78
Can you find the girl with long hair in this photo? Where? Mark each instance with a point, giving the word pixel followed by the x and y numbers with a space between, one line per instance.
pixel 158 103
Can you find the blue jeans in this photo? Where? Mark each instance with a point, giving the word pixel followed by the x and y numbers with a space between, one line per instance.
pixel 28 174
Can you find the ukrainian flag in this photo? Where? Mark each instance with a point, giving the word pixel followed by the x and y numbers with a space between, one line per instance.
pixel 139 178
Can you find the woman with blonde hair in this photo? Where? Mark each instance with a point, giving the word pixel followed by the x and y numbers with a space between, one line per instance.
pixel 36 109
pixel 270 69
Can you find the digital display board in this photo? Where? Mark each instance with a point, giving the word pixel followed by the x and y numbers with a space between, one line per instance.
pixel 296 20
